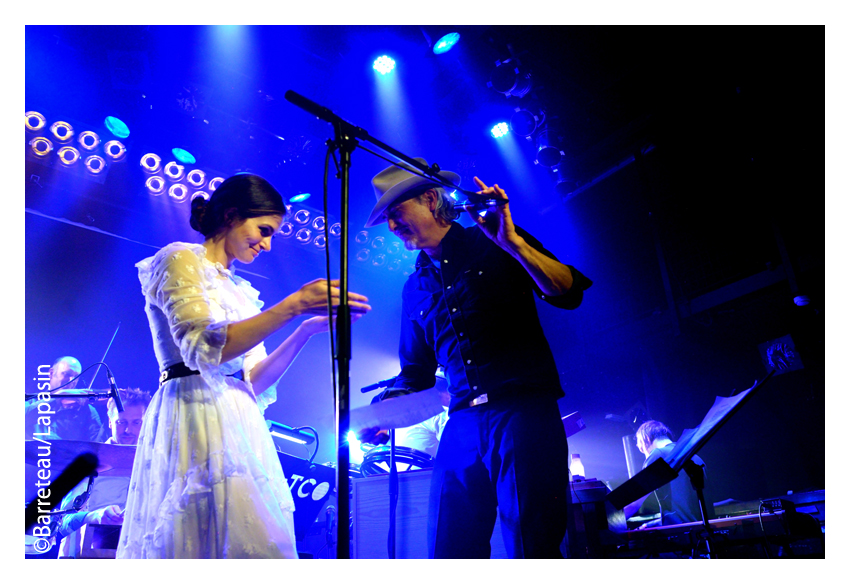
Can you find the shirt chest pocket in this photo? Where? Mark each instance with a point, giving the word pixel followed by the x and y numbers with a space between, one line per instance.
pixel 483 286
pixel 424 307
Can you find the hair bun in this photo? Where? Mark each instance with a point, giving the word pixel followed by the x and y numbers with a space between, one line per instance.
pixel 199 208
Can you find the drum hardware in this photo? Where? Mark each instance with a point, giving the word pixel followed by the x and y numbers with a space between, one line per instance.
pixel 112 459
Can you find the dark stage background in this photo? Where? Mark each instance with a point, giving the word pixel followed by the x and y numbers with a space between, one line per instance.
pixel 692 193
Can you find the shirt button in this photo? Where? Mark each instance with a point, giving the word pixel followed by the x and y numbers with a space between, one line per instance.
pixel 454 309
pixel 421 312
pixel 445 261
pixel 469 362
pixel 479 273
pixel 474 387
pixel 448 287
pixel 461 334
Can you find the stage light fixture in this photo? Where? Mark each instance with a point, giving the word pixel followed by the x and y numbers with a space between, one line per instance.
pixel 378 242
pixel 394 265
pixel 88 140
pixel 41 146
pixel 302 216
pixel 179 192
pixel 215 183
pixel 175 171
pixel 548 154
pixel 499 130
pixel 394 248
pixel 95 164
pixel 510 80
pixel 115 150
pixel 320 241
pixel 383 65
pixel 299 198
pixel 524 122
pixel 62 131
pixel 34 121
pixel 196 178
pixel 288 433
pixel 335 230
pixel 183 156
pixel 155 185
pixel 318 223
pixel 151 163
pixel 68 155
pixel 362 255
pixel 379 260
pixel 362 237
pixel 287 229
pixel 446 43
pixel 303 235
pixel 118 128
pixel 203 194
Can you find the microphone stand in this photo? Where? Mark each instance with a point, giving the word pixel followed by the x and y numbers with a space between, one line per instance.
pixel 345 140
pixel 393 497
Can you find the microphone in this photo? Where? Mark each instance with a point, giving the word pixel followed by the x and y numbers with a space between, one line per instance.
pixel 379 385
pixel 479 202
pixel 113 391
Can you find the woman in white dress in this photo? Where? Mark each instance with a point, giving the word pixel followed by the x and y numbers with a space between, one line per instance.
pixel 206 481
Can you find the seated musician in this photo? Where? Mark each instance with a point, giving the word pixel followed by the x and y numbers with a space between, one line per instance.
pixel 105 506
pixel 74 418
pixel 425 436
pixel 677 500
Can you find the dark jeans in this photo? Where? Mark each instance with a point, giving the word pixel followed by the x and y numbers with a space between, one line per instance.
pixel 511 453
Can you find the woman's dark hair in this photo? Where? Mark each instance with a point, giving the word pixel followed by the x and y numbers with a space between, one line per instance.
pixel 240 197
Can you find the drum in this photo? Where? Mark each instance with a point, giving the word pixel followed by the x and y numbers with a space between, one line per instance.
pixel 377 460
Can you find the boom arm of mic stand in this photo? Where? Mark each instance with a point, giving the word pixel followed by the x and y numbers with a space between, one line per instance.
pixel 352 131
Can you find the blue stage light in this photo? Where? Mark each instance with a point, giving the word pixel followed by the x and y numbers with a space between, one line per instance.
pixel 183 156
pixel 118 128
pixel 499 130
pixel 446 43
pixel 299 198
pixel 383 65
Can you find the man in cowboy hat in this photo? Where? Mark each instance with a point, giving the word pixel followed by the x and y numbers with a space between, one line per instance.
pixel 469 305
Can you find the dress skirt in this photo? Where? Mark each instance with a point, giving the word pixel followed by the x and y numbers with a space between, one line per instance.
pixel 207 481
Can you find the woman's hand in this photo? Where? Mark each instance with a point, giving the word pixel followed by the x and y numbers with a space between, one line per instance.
pixel 312 298
pixel 319 324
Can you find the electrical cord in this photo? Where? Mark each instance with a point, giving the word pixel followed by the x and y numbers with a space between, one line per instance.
pixel 328 154
pixel 316 435
pixel 77 377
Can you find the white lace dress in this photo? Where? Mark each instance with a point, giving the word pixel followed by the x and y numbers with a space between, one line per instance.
pixel 206 482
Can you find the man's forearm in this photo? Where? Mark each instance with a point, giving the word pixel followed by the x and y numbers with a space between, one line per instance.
pixel 551 276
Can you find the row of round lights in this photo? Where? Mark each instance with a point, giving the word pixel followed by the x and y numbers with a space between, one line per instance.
pixel 68 153
pixel 302 228
pixel 175 173
pixel 377 252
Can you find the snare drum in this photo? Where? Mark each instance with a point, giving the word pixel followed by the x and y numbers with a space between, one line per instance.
pixel 377 460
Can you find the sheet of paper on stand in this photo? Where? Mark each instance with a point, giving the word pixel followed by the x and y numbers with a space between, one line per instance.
pixel 398 412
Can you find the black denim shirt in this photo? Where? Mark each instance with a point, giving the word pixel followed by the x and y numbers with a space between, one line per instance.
pixel 477 317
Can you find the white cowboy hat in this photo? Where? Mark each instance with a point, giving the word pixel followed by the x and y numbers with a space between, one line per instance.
pixel 392 183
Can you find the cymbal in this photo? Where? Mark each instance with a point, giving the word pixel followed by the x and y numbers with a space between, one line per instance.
pixel 113 459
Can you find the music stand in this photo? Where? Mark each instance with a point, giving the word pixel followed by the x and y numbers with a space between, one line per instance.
pixel 664 470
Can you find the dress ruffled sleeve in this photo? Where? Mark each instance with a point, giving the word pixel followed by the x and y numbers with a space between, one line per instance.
pixel 174 279
pixel 258 353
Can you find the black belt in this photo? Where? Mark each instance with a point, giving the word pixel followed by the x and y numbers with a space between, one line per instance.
pixel 180 370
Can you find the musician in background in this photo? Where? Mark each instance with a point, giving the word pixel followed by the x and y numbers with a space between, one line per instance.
pixel 678 499
pixel 74 419
pixel 106 504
